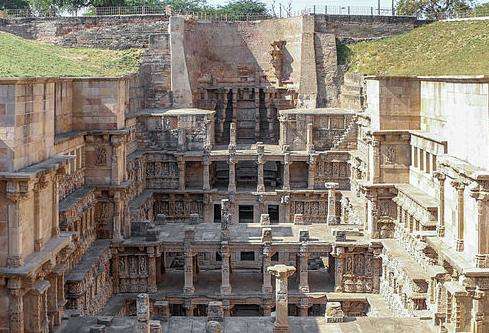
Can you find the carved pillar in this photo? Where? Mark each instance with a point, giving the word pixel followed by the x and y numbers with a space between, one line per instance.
pixel 52 299
pixel 16 306
pixel 117 158
pixel 339 268
pixel 460 187
pixel 287 162
pixel 209 137
pixel 283 131
pixel 206 176
pixel 261 181
pixel 181 174
pixel 142 313
pixel 482 199
pixel 257 117
pixel 37 218
pixel 55 205
pixel 303 269
pixel 267 309
pixel 152 288
pixel 441 203
pixel 304 306
pixel 189 273
pixel 332 218
pixel 15 197
pixel 232 173
pixel 232 136
pixel 375 173
pixel 181 140
pixel 477 320
pixel 282 272
pixel 311 172
pixel 225 270
pixel 309 138
pixel 267 278
pixel 117 216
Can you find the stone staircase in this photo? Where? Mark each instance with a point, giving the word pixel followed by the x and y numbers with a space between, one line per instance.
pixel 347 140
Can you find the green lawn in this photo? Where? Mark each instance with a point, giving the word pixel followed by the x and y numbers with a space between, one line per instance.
pixel 441 48
pixel 25 58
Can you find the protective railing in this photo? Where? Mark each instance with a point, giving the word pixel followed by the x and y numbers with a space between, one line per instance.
pixel 279 12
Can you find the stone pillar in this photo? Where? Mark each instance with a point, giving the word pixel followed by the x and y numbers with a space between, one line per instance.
pixel 189 308
pixel 189 273
pixel 441 203
pixel 226 306
pixel 477 321
pixel 265 219
pixel 16 306
pixel 332 217
pixel 163 310
pixel 303 269
pixel 375 172
pixel 14 258
pixel 232 173
pixel 225 218
pixel 304 307
pixel 209 128
pixel 117 235
pixel 55 205
pixel 261 174
pixel 482 199
pixel 52 299
pixel 188 288
pixel 309 138
pixel 181 174
pixel 152 288
pixel 267 309
pixel 460 187
pixel 311 176
pixel 283 131
pixel 225 271
pixel 232 137
pixel 282 273
pixel 142 313
pixel 287 162
pixel 267 278
pixel 260 149
pixel 338 269
pixel 215 311
pixel 206 176
pixel 181 140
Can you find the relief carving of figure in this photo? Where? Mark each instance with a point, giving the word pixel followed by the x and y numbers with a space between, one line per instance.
pixel 100 156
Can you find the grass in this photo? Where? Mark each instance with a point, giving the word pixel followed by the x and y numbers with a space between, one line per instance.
pixel 25 58
pixel 440 48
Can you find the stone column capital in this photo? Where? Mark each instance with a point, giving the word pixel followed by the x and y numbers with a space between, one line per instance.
pixel 458 185
pixel 281 271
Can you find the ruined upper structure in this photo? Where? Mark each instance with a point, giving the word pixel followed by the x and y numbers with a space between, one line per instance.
pixel 239 150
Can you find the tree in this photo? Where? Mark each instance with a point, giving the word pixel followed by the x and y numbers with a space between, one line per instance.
pixel 433 9
pixel 243 8
pixel 13 4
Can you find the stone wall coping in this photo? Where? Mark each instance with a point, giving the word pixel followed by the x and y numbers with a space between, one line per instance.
pixel 40 79
pixel 318 111
pixel 448 78
pixel 37 259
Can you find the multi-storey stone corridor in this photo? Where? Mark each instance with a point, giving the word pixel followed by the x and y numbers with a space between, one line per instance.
pixel 241 169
